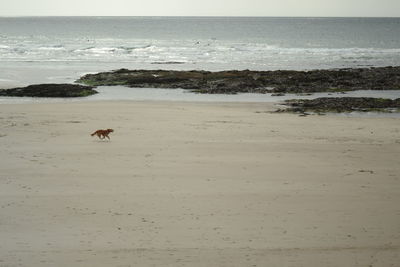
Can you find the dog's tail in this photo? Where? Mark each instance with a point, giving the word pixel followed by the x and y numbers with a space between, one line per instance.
pixel 94 133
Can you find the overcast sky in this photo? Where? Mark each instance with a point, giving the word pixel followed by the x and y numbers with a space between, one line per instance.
pixel 340 8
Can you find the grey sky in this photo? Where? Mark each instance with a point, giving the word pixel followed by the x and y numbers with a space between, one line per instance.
pixel 358 8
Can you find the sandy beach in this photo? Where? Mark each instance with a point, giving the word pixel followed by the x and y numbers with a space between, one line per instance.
pixel 196 184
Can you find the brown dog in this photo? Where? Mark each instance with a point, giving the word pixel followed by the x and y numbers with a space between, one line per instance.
pixel 103 133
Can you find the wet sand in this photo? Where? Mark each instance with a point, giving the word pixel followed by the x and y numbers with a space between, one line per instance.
pixel 196 184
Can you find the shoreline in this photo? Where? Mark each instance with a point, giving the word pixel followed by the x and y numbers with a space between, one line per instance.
pixel 279 103
pixel 227 83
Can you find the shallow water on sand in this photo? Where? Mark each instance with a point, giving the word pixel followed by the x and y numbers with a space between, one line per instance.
pixel 107 93
pixel 126 93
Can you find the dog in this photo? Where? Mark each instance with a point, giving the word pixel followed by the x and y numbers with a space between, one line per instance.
pixel 103 133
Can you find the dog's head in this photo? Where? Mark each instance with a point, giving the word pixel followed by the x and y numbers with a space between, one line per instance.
pixel 110 130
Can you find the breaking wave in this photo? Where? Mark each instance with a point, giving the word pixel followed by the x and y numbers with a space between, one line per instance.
pixel 257 55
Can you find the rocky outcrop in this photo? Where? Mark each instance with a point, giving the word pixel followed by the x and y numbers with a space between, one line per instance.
pixel 231 82
pixel 341 104
pixel 50 90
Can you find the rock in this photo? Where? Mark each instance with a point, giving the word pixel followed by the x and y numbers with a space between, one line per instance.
pixel 50 90
pixel 342 104
pixel 278 94
pixel 304 94
pixel 167 62
pixel 232 82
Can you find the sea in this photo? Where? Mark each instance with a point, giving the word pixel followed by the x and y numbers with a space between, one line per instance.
pixel 61 49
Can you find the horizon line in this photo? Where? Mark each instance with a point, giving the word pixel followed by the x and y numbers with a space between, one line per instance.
pixel 196 16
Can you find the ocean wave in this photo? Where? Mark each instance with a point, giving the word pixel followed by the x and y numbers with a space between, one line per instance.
pixel 96 50
pixel 168 62
pixel 145 47
pixel 231 54
pixel 52 48
pixel 112 50
pixel 338 51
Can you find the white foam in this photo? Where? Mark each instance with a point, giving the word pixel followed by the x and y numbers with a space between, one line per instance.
pixel 52 48
pixel 227 53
